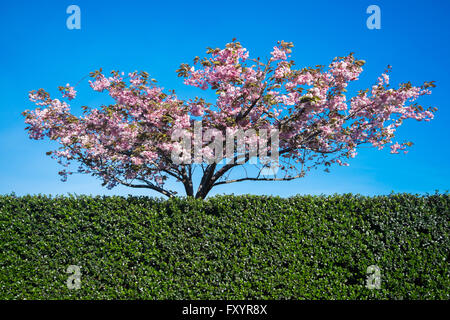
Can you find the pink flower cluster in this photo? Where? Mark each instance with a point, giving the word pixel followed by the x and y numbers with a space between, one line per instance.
pixel 68 92
pixel 278 54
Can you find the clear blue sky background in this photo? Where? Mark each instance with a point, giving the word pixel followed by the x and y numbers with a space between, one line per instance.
pixel 38 51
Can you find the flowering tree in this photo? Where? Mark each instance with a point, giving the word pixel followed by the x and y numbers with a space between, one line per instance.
pixel 131 142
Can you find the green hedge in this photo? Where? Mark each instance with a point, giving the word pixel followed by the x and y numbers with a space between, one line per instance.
pixel 225 247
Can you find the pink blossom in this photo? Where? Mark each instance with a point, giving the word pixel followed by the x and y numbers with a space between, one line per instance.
pixel 69 92
pixel 100 84
pixel 278 54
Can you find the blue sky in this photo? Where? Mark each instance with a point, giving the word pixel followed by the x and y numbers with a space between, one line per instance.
pixel 38 51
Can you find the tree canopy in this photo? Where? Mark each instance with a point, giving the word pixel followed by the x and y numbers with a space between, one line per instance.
pixel 298 118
